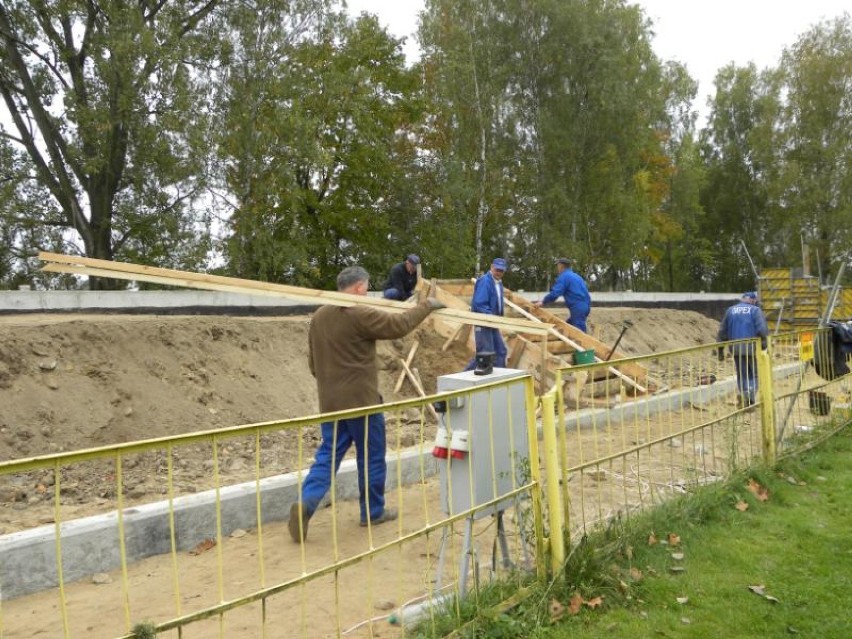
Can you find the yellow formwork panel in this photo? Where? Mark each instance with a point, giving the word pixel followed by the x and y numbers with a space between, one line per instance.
pixel 790 301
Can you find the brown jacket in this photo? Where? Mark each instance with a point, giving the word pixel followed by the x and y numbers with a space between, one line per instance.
pixel 342 351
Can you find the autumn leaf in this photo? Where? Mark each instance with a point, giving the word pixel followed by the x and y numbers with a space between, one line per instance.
pixel 757 490
pixel 41 489
pixel 636 574
pixel 760 590
pixel 652 539
pixel 674 539
pixel 203 546
pixel 556 610
pixel 594 602
pixel 575 603
pixel 741 506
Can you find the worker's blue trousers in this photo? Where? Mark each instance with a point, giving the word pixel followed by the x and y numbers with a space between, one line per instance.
pixel 488 340
pixel 368 435
pixel 578 314
pixel 746 367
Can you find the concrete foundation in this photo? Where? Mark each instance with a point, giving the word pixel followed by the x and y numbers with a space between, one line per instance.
pixel 192 302
pixel 91 545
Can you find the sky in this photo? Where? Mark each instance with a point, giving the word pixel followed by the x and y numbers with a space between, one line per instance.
pixel 703 35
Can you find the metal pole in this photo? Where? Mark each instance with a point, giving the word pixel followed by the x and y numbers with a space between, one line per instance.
pixel 627 324
pixel 750 261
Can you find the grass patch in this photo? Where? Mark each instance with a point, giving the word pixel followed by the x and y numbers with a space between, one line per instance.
pixel 694 581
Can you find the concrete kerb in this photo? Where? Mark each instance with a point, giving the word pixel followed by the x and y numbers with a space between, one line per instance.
pixel 672 400
pixel 90 545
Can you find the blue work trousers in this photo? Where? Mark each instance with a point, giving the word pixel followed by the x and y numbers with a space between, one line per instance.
pixel 746 367
pixel 368 435
pixel 578 315
pixel 488 340
pixel 395 294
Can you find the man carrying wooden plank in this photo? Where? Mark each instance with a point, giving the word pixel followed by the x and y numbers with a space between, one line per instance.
pixel 342 358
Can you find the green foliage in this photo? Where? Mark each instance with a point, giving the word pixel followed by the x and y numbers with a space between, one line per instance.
pixel 725 550
pixel 102 102
pixel 317 146
pixel 546 117
pixel 144 630
pixel 530 130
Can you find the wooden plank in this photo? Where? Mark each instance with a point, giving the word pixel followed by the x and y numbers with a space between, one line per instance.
pixel 452 338
pixel 407 360
pixel 418 385
pixel 585 341
pixel 517 349
pixel 119 270
pixel 575 345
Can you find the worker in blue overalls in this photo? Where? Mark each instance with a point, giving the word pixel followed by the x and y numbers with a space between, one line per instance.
pixel 572 287
pixel 488 299
pixel 744 320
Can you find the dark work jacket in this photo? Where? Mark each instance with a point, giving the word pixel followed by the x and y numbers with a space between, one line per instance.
pixel 342 351
pixel 400 279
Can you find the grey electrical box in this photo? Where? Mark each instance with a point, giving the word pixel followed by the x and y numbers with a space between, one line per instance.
pixel 495 420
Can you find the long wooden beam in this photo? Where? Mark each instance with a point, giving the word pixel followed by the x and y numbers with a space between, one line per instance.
pixel 58 263
pixel 579 347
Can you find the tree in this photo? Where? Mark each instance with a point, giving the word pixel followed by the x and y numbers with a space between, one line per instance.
pixel 107 100
pixel 815 185
pixel 333 137
pixel 740 153
pixel 550 114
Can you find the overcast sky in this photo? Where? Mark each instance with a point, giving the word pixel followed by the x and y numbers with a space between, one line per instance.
pixel 704 35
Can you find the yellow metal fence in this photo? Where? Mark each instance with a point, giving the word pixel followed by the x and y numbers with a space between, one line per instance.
pixel 88 553
pixel 216 560
pixel 621 451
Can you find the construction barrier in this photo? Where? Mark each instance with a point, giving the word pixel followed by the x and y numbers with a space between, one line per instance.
pixel 490 481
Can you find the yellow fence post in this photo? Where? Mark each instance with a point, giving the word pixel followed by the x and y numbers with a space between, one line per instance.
pixel 551 471
pixel 535 477
pixel 767 402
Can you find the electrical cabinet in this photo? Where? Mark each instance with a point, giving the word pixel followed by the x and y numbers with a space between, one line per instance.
pixel 492 424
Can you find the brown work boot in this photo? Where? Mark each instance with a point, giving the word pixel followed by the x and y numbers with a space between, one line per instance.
pixel 298 532
pixel 389 514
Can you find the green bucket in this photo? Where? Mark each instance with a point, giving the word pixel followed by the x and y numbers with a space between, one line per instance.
pixel 584 357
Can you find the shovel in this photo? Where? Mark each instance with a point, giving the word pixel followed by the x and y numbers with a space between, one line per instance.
pixel 627 324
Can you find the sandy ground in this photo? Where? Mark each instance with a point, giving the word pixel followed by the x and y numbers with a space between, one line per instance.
pixel 71 382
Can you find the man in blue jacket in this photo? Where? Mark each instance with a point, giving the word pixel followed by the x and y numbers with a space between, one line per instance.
pixel 488 299
pixel 572 287
pixel 744 320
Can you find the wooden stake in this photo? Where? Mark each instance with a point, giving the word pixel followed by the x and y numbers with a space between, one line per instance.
pixel 407 361
pixel 415 380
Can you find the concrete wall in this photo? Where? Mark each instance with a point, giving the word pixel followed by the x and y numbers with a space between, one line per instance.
pixel 191 302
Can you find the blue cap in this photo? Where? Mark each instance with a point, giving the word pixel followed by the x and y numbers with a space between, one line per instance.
pixel 500 264
pixel 750 295
pixel 413 259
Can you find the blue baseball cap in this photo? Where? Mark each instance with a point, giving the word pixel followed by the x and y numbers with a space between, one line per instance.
pixel 750 295
pixel 500 264
pixel 414 259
